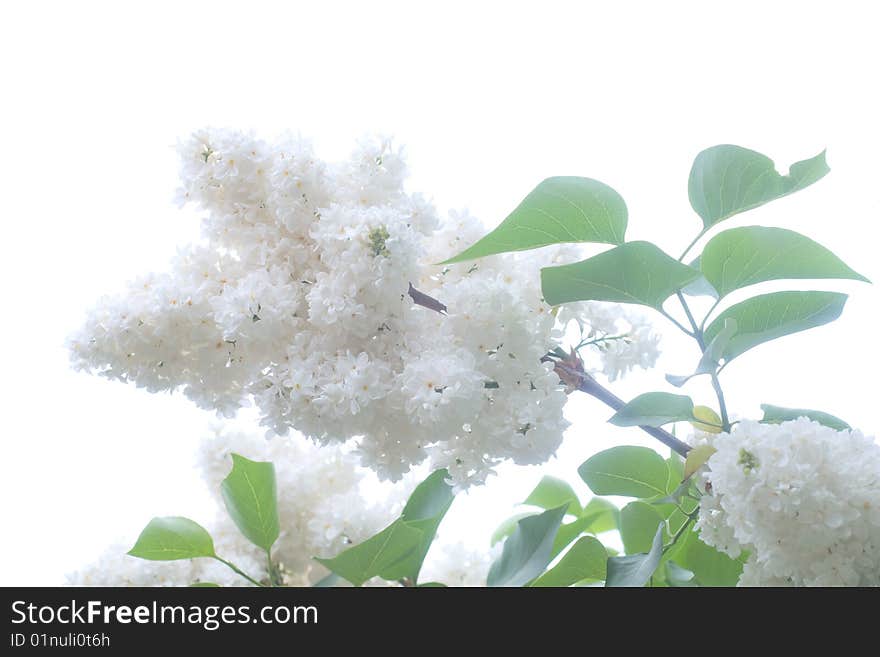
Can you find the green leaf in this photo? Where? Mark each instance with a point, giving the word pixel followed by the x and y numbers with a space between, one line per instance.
pixel 585 560
pixel 714 352
pixel 204 585
pixel 561 209
pixel 398 551
pixel 770 316
pixel 603 515
pixel 696 458
pixel 638 524
pixel 654 409
pixel 777 414
pixel 678 576
pixel 327 581
pixel 635 272
pixel 627 470
pixel 172 538
pixel 598 516
pixel 636 569
pixel 568 531
pixel 376 555
pixel 552 492
pixel 508 526
pixel 676 468
pixel 726 180
pixel 250 496
pixel 744 256
pixel 425 509
pixel 528 550
pixel 710 567
pixel 700 287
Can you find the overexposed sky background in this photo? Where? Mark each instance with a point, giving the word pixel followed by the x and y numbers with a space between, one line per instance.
pixel 490 98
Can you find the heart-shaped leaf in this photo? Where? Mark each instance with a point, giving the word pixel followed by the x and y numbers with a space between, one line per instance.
pixel 770 316
pixel 635 272
pixel 172 538
pixel 560 209
pixel 726 180
pixel 740 257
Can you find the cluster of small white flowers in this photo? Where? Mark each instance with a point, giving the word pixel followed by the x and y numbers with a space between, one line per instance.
pixel 801 498
pixel 298 299
pixel 321 508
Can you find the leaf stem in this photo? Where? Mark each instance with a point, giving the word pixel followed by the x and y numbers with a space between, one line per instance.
pixel 676 322
pixel 711 310
pixel 725 420
pixel 607 338
pixel 238 571
pixel 275 578
pixel 691 245
pixel 687 311
pixel 716 384
pixel 681 530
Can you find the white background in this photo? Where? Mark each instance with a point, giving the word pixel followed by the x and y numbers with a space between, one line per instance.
pixel 489 98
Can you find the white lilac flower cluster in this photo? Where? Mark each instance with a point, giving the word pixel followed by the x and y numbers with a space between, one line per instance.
pixel 322 510
pixel 801 498
pixel 298 299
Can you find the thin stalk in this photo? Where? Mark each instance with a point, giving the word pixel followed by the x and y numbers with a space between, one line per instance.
pixel 725 420
pixel 275 577
pixel 706 318
pixel 238 571
pixel 716 384
pixel 676 322
pixel 691 245
pixel 687 311
pixel 610 338
pixel 681 530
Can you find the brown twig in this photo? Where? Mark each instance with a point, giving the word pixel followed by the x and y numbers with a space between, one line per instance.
pixel 571 373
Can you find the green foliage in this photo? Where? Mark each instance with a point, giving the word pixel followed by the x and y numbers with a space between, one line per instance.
pixel 635 272
pixel 636 569
pixel 699 287
pixel 528 550
pixel 726 180
pixel 740 257
pixel 377 555
pixel 679 577
pixel 424 511
pixel 585 560
pixel 770 316
pixel 602 514
pixel 709 566
pixel 507 527
pixel 561 209
pixel 638 524
pixel 327 581
pixel 654 409
pixel 250 495
pixel 397 552
pixel 551 493
pixel 627 470
pixel 172 538
pixel 777 414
